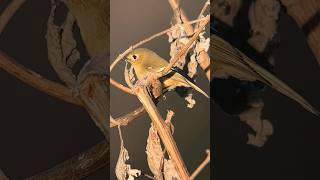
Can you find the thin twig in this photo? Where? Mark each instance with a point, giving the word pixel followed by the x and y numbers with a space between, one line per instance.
pixel 7 14
pixel 188 28
pixel 204 8
pixel 201 166
pixel 185 48
pixel 121 87
pixel 204 59
pixel 126 119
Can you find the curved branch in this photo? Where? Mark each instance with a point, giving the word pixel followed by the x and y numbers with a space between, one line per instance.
pixel 126 119
pixel 37 81
pixel 79 166
pixel 9 12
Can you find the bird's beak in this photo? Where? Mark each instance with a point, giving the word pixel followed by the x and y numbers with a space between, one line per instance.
pixel 127 60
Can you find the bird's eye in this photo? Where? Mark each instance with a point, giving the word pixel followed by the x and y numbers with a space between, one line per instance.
pixel 134 57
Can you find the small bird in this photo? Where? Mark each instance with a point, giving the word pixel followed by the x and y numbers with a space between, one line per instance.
pixel 228 61
pixel 144 61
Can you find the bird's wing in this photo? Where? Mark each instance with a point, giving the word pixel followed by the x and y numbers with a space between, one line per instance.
pixel 226 55
pixel 185 80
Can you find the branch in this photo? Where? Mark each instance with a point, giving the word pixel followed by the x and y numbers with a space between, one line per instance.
pixel 163 131
pixel 204 61
pixel 37 81
pixel 26 75
pixel 174 5
pixel 79 166
pixel 9 12
pixel 126 119
pixel 201 166
pixel 185 48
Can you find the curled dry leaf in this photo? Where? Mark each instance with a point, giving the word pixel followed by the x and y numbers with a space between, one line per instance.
pixel 154 153
pixel 263 16
pixel 191 102
pixel 124 170
pixel 170 172
pixel 177 38
pixel 168 120
pixel 263 128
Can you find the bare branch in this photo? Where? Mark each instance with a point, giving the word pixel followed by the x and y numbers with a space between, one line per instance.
pixel 163 131
pixel 174 5
pixel 37 81
pixel 126 119
pixel 9 12
pixel 201 166
pixel 204 58
pixel 185 48
pixel 121 87
pixel 79 166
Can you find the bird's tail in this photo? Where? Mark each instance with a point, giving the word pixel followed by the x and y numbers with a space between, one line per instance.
pixel 195 87
pixel 236 58
pixel 277 84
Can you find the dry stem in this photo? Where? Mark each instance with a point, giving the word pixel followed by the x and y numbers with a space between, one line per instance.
pixel 201 166
pixel 37 81
pixel 9 12
pixel 126 119
pixel 163 131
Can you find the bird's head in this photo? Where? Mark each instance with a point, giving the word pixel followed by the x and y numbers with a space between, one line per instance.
pixel 138 56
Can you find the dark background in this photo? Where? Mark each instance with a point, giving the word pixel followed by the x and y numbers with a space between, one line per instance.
pixel 37 131
pixel 292 152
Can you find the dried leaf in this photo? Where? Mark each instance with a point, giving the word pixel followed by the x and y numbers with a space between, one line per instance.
pixel 168 120
pixel 124 170
pixel 154 153
pixel 262 127
pixel 190 100
pixel 170 172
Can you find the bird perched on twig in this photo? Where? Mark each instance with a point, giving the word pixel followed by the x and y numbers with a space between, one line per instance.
pixel 228 61
pixel 145 61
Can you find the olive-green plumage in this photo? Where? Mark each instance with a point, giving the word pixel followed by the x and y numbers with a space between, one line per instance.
pixel 145 61
pixel 228 61
pixel 92 17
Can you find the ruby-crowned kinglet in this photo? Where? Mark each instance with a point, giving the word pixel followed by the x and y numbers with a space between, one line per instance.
pixel 228 61
pixel 145 61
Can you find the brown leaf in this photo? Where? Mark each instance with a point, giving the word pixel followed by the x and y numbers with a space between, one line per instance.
pixel 154 153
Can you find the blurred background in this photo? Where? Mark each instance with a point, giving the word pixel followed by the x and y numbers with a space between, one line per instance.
pixel 131 22
pixel 37 131
pixel 292 152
